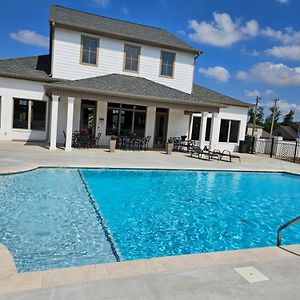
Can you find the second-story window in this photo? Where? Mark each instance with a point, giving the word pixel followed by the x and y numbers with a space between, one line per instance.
pixel 167 63
pixel 131 57
pixel 89 50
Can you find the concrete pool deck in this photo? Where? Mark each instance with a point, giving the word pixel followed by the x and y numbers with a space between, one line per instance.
pixel 197 276
pixel 17 157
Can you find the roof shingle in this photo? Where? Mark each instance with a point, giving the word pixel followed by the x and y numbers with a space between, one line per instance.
pixel 139 86
pixel 113 27
pixel 34 67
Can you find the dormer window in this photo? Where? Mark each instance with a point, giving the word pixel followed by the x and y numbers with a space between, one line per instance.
pixel 89 50
pixel 131 58
pixel 167 64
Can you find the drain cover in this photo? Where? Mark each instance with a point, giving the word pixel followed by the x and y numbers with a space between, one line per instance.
pixel 251 274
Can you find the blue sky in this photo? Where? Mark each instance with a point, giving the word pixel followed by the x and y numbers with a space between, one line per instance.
pixel 250 47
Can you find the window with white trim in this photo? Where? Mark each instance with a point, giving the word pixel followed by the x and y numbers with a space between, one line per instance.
pixel 29 114
pixel 229 131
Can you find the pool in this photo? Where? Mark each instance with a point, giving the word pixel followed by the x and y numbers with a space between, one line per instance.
pixel 51 218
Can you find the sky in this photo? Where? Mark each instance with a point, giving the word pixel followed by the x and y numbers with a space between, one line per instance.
pixel 251 48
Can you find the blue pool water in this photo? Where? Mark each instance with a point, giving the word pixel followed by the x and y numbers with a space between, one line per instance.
pixel 52 218
pixel 158 213
pixel 47 221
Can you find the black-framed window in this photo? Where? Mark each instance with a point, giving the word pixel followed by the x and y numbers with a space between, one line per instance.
pixel 208 127
pixel 89 50
pixel 38 115
pixel 21 113
pixel 131 57
pixel 167 63
pixel 229 131
pixel 196 128
pixel 29 114
pixel 124 119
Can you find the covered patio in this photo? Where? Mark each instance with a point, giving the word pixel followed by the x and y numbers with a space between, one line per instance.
pixel 126 105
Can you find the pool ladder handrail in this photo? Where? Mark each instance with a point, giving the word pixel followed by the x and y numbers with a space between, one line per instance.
pixel 287 224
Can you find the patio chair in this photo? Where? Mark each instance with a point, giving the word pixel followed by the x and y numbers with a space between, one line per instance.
pixel 227 153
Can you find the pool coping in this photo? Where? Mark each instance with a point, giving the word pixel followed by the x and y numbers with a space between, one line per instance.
pixel 35 167
pixel 12 281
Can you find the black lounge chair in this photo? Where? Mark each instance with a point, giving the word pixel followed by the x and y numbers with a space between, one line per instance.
pixel 227 153
pixel 205 151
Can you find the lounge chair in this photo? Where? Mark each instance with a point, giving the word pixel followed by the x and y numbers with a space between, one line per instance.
pixel 205 151
pixel 227 153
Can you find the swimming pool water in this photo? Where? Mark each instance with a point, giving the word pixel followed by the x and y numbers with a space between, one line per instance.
pixel 51 218
pixel 47 221
pixel 159 213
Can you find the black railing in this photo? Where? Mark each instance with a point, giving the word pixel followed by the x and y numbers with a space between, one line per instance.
pixel 279 233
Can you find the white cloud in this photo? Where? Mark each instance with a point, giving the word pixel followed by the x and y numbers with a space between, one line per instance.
pixel 269 93
pixel 286 36
pixel 284 1
pixel 254 93
pixel 218 73
pixel 182 32
pixel 272 74
pixel 242 75
pixel 102 3
pixel 125 10
pixel 223 31
pixel 286 52
pixel 30 37
pixel 285 106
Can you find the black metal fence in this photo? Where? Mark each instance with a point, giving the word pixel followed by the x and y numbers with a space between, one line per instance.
pixel 286 150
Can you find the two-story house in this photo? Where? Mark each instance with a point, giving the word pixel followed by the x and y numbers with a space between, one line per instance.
pixel 115 78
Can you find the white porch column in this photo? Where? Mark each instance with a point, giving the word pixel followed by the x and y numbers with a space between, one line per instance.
pixel 202 129
pixel 191 127
pixel 53 124
pixel 150 123
pixel 69 129
pixel 214 131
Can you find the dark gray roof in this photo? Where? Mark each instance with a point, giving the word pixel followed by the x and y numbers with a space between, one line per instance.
pixel 287 132
pixel 215 97
pixel 37 67
pixel 138 86
pixel 117 28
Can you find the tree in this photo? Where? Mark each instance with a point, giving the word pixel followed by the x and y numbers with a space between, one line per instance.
pixel 268 122
pixel 259 115
pixel 288 118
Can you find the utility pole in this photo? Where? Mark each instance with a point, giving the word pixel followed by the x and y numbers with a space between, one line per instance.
pixel 273 116
pixel 254 121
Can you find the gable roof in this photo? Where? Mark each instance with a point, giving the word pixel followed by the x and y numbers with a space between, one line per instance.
pixel 125 85
pixel 116 28
pixel 34 68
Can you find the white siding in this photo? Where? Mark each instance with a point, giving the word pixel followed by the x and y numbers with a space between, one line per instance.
pixel 15 88
pixel 66 58
pixel 178 124
pixel 231 113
